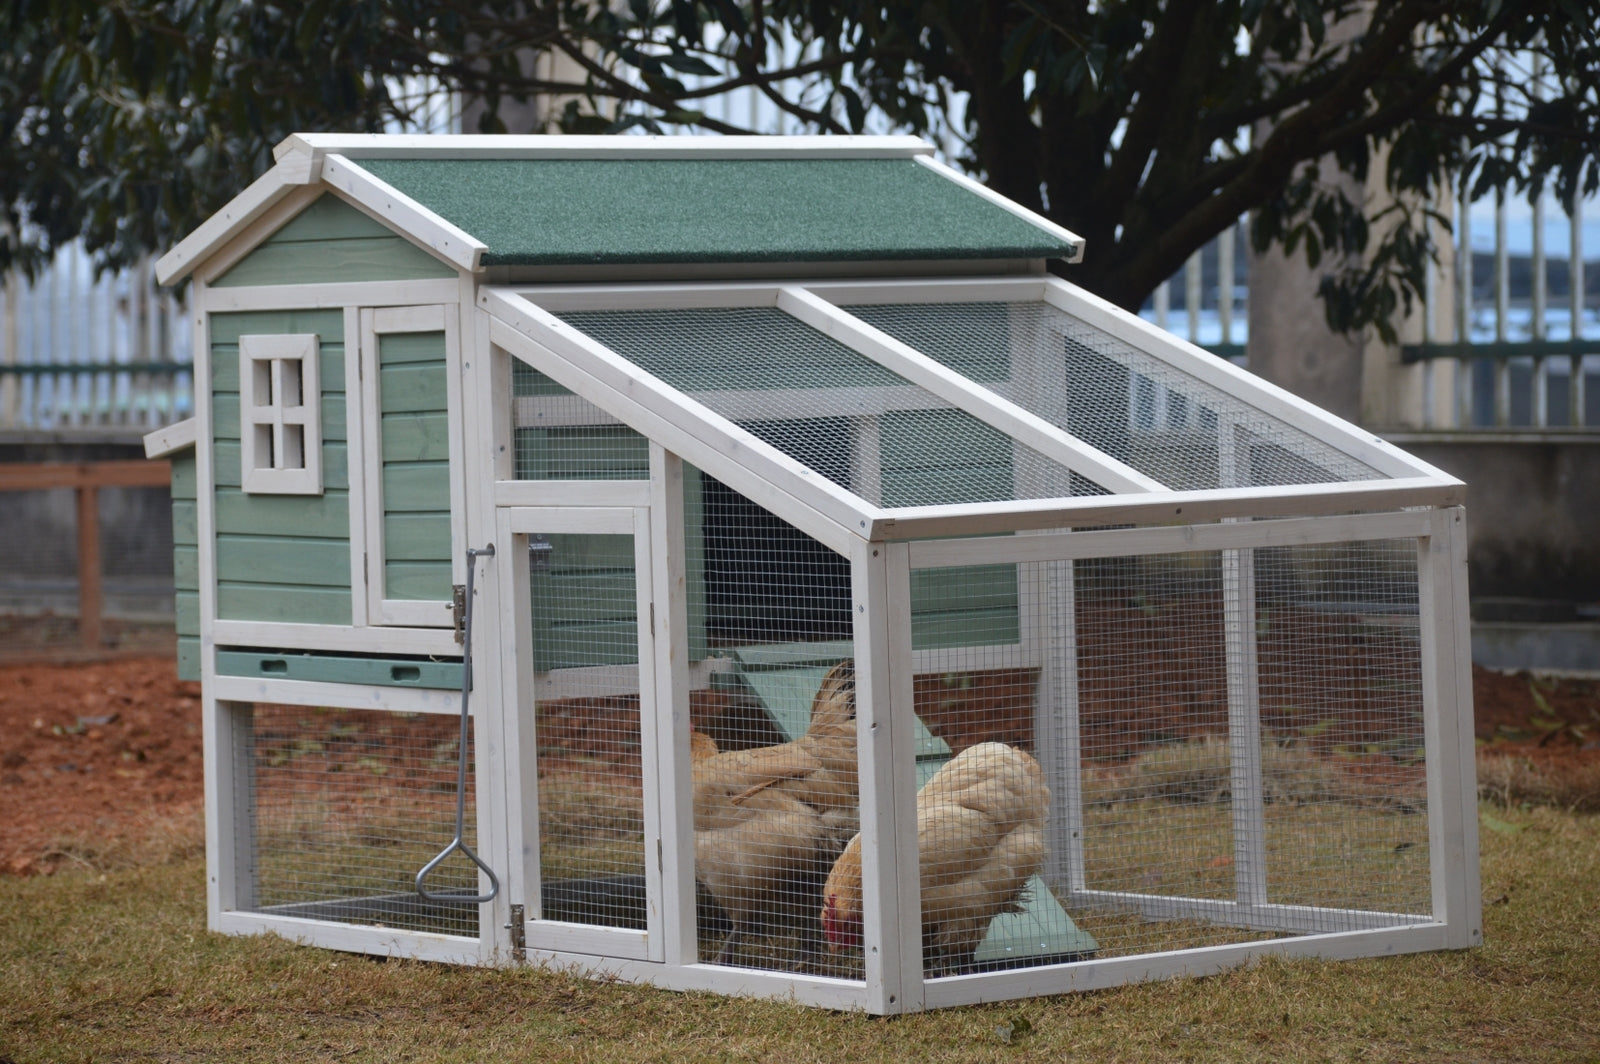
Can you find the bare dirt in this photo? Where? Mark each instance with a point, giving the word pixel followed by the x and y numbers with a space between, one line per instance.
pixel 104 750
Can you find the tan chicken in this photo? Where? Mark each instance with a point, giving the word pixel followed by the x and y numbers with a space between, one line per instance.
pixel 769 822
pixel 980 834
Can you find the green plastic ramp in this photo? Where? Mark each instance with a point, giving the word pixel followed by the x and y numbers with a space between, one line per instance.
pixel 784 679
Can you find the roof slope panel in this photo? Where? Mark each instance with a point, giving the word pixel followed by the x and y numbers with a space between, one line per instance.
pixel 1133 406
pixel 869 430
pixel 630 210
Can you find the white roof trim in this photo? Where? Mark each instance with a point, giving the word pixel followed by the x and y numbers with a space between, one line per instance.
pixel 263 193
pixel 170 439
pixel 450 242
pixel 539 146
pixel 1038 221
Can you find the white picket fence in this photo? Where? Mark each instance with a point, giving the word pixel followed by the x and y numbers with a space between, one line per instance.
pixel 88 356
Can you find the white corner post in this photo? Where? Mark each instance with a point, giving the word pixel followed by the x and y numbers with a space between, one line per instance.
pixel 1447 727
pixel 891 889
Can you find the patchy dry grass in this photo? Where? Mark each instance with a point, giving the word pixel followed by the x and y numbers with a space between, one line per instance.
pixel 111 961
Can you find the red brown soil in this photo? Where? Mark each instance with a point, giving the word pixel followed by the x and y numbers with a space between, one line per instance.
pixel 108 748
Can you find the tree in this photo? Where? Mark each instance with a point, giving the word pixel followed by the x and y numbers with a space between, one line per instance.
pixel 1147 126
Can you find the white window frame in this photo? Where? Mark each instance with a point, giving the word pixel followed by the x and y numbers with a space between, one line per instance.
pixel 375 323
pixel 264 363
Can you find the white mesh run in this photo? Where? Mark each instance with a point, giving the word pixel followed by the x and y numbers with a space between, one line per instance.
pixel 1129 404
pixel 344 807
pixel 776 794
pixel 869 430
pixel 1223 767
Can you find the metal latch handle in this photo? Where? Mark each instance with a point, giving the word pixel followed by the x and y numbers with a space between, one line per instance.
pixel 459 842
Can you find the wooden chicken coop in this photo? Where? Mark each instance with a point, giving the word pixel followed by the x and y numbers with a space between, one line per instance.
pixel 738 564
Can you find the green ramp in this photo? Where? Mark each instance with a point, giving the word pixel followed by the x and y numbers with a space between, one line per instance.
pixel 783 679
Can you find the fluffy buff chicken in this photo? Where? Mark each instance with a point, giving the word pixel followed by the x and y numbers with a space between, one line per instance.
pixel 980 834
pixel 768 822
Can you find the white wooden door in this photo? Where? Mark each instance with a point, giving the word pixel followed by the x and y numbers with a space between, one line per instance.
pixel 583 797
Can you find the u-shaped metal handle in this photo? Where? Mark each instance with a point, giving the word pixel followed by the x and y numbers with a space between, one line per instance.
pixel 459 843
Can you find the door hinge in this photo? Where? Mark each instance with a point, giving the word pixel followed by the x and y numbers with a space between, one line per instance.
pixel 661 861
pixel 458 610
pixel 652 620
pixel 519 933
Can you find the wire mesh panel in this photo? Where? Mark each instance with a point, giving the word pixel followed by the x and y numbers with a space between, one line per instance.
pixel 868 429
pixel 774 776
pixel 343 808
pixel 561 436
pixel 1232 743
pixel 1133 406
pixel 1341 686
pixel 591 824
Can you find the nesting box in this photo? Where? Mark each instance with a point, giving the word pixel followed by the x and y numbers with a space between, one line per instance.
pixel 858 612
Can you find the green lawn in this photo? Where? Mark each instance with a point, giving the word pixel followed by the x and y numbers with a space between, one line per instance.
pixel 116 964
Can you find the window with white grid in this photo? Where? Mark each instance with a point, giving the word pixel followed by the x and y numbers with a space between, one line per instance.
pixel 280 414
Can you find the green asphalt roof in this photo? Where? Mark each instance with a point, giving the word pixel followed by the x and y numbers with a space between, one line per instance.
pixel 539 212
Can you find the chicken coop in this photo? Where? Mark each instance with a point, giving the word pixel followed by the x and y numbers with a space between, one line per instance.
pixel 745 564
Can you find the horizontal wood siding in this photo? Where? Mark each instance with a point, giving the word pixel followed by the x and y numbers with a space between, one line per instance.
pixel 574 452
pixel 585 607
pixel 414 450
pixel 974 606
pixel 331 241
pixel 281 557
pixel 186 563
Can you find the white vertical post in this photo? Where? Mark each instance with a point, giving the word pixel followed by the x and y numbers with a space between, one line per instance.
pixel 1244 697
pixel 891 889
pixel 1464 308
pixel 680 943
pixel 10 349
pixel 1430 302
pixel 1446 648
pixel 1050 632
pixel 1192 295
pixel 1225 283
pixel 504 765
pixel 1575 385
pixel 1163 300
pixel 1502 310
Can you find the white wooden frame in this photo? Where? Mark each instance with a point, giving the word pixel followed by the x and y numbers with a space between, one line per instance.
pixel 229 820
pixel 1455 920
pixel 292 462
pixel 366 500
pixel 518 697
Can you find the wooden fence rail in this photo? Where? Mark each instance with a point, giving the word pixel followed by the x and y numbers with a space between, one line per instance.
pixel 86 478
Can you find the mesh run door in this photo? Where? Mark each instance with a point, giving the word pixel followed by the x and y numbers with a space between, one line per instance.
pixel 584 690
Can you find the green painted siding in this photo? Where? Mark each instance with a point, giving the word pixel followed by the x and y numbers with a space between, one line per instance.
pixel 281 557
pixel 928 459
pixel 574 452
pixel 585 608
pixel 186 563
pixel 331 241
pixel 415 456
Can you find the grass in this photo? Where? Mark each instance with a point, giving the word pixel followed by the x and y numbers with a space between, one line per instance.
pixel 110 960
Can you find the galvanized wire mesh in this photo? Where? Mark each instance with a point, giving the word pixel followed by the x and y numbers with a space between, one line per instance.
pixel 775 776
pixel 558 435
pixel 867 429
pixel 590 794
pixel 1233 741
pixel 1129 404
pixel 342 808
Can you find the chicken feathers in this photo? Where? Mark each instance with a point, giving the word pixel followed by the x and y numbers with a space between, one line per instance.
pixel 980 837
pixel 768 822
